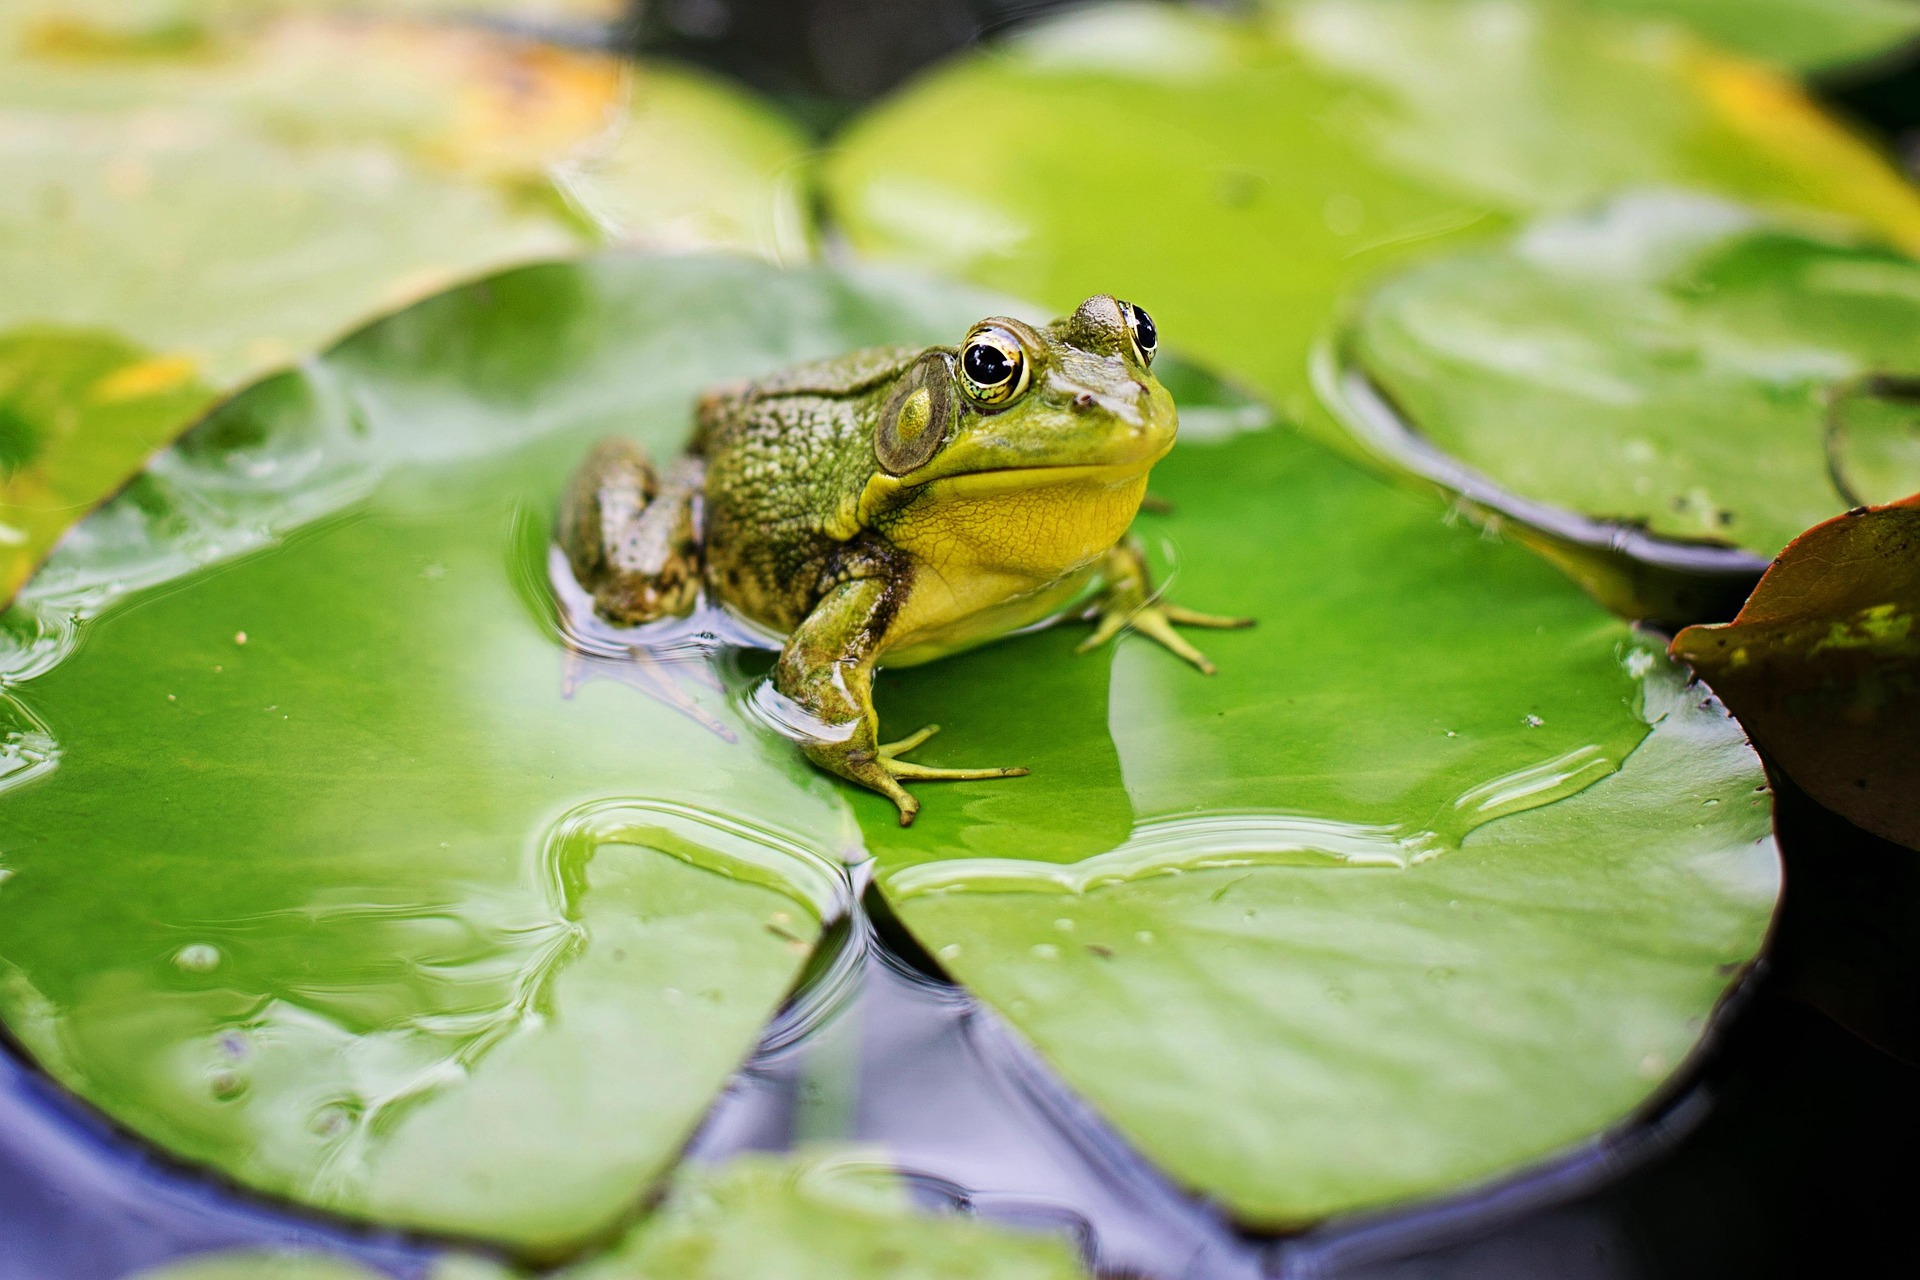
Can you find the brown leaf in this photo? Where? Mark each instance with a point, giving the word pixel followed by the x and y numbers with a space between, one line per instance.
pixel 1822 666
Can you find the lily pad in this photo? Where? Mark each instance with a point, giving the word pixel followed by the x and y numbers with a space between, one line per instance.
pixel 356 952
pixel 1443 872
pixel 1823 666
pixel 818 1218
pixel 75 406
pixel 231 202
pixel 250 1265
pixel 1673 385
pixel 1239 177
pixel 418 912
pixel 813 1216
pixel 1810 35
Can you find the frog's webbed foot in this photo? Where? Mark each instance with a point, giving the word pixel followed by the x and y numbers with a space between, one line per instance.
pixel 1128 601
pixel 881 769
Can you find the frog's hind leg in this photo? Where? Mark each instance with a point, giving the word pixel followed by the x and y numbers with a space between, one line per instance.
pixel 632 535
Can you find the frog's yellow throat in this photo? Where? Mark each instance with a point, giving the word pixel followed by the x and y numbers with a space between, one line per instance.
pixel 990 548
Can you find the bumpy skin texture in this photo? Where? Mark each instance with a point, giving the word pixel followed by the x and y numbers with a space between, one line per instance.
pixel 897 505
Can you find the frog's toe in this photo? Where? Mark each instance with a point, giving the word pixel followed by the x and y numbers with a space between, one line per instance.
pixel 1106 628
pixel 888 750
pixel 889 760
pixel 1153 623
pixel 1192 618
pixel 927 773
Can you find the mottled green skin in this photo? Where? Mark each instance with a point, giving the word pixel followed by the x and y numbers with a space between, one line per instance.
pixel 784 455
pixel 882 507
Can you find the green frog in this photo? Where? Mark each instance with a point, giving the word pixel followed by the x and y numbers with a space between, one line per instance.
pixel 894 506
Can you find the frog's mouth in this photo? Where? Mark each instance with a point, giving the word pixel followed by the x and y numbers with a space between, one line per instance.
pixel 1065 475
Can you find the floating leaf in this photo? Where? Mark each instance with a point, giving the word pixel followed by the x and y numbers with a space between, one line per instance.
pixel 1670 384
pixel 818 1218
pixel 75 407
pixel 1807 34
pixel 247 1265
pixel 1237 178
pixel 1440 874
pixel 294 980
pixel 232 201
pixel 417 913
pixel 1823 666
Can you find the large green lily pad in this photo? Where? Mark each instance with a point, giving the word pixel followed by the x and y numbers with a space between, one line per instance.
pixel 327 864
pixel 1238 177
pixel 231 201
pixel 356 951
pixel 1440 874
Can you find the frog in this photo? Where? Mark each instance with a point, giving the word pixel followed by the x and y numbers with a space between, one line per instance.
pixel 894 506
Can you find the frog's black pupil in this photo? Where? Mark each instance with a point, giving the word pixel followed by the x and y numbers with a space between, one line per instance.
pixel 987 365
pixel 1143 331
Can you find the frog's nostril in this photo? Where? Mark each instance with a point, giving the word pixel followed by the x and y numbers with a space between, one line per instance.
pixel 1084 400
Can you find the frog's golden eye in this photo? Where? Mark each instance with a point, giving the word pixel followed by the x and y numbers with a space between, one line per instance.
pixel 1140 327
pixel 994 366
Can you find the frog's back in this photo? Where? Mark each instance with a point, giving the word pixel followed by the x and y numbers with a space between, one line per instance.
pixel 783 453
pixel 750 407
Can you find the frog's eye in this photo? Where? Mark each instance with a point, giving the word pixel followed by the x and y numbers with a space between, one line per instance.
pixel 1140 326
pixel 994 366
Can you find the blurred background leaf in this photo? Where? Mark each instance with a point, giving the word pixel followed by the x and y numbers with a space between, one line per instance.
pixel 1672 369
pixel 1239 178
pixel 1808 35
pixel 230 200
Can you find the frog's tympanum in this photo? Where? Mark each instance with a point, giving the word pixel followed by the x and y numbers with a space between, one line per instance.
pixel 895 506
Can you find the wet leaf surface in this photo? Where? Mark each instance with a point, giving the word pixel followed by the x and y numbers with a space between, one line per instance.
pixel 808 1217
pixel 1238 178
pixel 413 914
pixel 231 200
pixel 399 888
pixel 1823 666
pixel 1667 362
pixel 1407 895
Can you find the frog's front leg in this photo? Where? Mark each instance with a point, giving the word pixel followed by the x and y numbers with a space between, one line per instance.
pixel 826 669
pixel 1128 600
